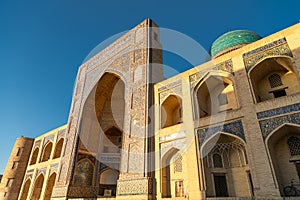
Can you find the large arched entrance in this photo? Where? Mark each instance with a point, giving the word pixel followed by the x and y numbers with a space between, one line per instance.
pixel 101 134
pixel 284 150
pixel 225 164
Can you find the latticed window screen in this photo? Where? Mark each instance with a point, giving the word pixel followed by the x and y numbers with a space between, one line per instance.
pixel 294 145
pixel 275 80
pixel 178 163
pixel 217 160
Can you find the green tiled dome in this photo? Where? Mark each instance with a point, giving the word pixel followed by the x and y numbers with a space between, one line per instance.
pixel 232 40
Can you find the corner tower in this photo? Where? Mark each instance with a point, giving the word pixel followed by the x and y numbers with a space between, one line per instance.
pixel 109 137
pixel 15 169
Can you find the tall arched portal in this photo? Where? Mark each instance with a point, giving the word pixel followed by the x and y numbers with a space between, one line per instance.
pixel 127 69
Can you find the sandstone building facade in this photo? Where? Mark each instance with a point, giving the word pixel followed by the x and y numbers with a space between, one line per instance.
pixel 229 128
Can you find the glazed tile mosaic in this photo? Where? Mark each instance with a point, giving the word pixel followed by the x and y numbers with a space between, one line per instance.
pixel 235 128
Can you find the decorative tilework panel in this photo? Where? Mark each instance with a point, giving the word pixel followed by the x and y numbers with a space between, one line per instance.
pixel 82 191
pixel 169 85
pixel 84 172
pixel 59 191
pixel 235 128
pixel 223 66
pixel 269 125
pixel 134 187
pixel 279 111
pixel 276 48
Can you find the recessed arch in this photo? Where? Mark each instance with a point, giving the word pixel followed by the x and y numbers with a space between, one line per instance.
pixel 285 167
pixel 25 190
pixel 94 83
pixel 47 151
pixel 171 158
pixel 34 156
pixel 38 185
pixel 58 148
pixel 287 66
pixel 214 93
pixel 171 111
pixel 262 76
pixel 84 173
pixel 223 161
pixel 108 182
pixel 213 139
pixel 49 186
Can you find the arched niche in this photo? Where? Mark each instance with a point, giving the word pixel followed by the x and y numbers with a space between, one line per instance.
pixel 172 184
pixel 283 146
pixel 58 148
pixel 224 161
pixel 37 189
pixel 49 186
pixel 213 94
pixel 108 182
pixel 25 190
pixel 34 156
pixel 171 111
pixel 47 151
pixel 273 77
pixel 84 173
pixel 103 109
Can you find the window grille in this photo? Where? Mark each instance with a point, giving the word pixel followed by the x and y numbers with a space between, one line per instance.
pixel 275 80
pixel 178 163
pixel 294 145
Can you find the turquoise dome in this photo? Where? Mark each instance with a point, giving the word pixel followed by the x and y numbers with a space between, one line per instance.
pixel 232 40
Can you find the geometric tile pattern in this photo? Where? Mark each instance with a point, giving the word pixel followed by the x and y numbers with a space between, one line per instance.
pixel 279 111
pixel 135 187
pixel 235 128
pixel 223 66
pixel 276 48
pixel 269 125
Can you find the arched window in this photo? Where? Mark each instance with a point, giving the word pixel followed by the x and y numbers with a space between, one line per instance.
pixel 275 80
pixel 217 160
pixel 34 156
pixel 294 145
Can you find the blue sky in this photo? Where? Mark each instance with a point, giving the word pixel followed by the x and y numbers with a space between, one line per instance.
pixel 42 44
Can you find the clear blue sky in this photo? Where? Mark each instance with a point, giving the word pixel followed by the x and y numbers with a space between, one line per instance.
pixel 42 44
